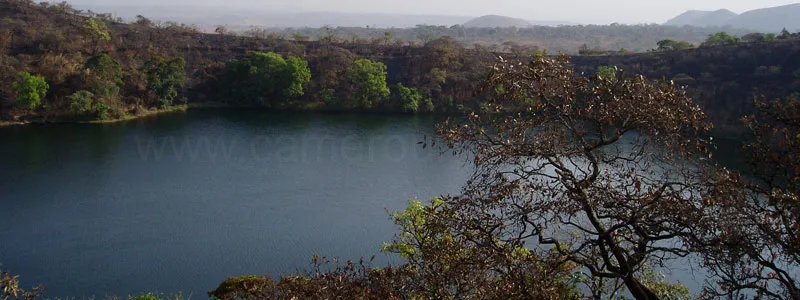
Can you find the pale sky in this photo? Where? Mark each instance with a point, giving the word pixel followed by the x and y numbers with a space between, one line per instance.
pixel 586 11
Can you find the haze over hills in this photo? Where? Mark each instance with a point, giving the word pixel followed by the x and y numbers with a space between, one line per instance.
pixel 703 18
pixel 768 19
pixel 772 19
pixel 209 16
pixel 212 16
pixel 493 21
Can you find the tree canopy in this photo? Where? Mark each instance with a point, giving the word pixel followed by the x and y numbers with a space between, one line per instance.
pixel 165 77
pixel 672 45
pixel 266 79
pixel 720 38
pixel 407 98
pixel 369 81
pixel 753 248
pixel 30 90
pixel 553 183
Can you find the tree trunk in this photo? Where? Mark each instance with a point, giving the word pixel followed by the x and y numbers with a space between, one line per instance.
pixel 638 290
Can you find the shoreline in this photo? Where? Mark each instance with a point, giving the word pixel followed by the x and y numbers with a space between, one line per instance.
pixel 144 114
pixel 217 105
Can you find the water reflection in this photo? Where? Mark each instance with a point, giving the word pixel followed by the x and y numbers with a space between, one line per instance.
pixel 96 209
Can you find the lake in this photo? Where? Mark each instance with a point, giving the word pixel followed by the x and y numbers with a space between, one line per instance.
pixel 179 202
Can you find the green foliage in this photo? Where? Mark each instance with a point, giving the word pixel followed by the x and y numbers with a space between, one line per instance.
pixel 299 37
pixel 251 285
pixel 104 75
pixel 452 266
pixel 672 45
pixel 369 80
pixel 412 222
pixel 266 79
pixel 328 97
pixel 82 104
pixel 585 50
pixel 720 38
pixel 100 111
pixel 612 289
pixel 97 28
pixel 148 296
pixel 606 72
pixel 758 37
pixel 30 90
pixel 658 283
pixel 164 77
pixel 436 78
pixel 408 99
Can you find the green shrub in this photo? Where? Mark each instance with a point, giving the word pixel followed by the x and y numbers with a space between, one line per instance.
pixel 266 79
pixel 369 80
pixel 100 111
pixel 104 75
pixel 164 77
pixel 83 104
pixel 30 89
pixel 606 72
pixel 80 102
pixel 408 99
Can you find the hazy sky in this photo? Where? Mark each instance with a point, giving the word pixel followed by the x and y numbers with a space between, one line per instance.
pixel 595 11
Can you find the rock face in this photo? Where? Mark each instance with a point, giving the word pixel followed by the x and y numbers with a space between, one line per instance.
pixel 772 19
pixel 493 21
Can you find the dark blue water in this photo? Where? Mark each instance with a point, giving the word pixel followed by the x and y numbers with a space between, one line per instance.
pixel 179 202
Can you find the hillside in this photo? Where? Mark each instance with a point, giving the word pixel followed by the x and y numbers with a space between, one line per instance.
pixel 54 42
pixel 495 21
pixel 772 19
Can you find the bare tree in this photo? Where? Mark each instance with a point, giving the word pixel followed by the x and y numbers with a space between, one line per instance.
pixel 605 173
pixel 754 247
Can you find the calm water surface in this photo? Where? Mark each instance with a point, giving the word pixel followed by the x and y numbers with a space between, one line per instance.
pixel 181 201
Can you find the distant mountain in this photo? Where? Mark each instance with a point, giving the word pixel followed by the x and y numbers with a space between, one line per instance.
pixel 492 21
pixel 703 18
pixel 687 18
pixel 717 18
pixel 771 19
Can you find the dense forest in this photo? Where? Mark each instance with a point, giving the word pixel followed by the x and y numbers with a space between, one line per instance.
pixel 61 64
